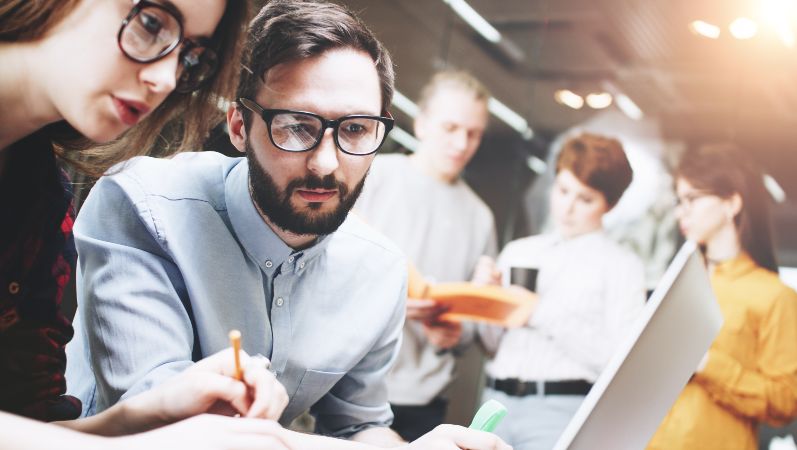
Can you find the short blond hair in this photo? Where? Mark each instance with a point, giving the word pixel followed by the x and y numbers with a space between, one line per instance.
pixel 458 79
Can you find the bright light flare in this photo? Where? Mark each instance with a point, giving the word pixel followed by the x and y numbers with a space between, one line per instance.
pixel 599 100
pixel 569 98
pixel 705 29
pixel 743 28
pixel 779 14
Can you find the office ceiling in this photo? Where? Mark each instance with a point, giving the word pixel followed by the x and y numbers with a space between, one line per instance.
pixel 699 89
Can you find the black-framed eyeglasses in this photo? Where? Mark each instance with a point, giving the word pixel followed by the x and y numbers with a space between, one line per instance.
pixel 151 31
pixel 299 131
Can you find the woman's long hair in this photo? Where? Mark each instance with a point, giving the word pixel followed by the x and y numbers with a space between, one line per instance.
pixel 165 130
pixel 724 170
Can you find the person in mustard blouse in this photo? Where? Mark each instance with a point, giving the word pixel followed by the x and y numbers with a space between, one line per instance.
pixel 749 375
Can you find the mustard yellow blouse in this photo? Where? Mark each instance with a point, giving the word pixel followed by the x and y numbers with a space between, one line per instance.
pixel 751 372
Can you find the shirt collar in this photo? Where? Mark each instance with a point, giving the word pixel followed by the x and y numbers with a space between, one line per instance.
pixel 735 267
pixel 257 238
pixel 581 239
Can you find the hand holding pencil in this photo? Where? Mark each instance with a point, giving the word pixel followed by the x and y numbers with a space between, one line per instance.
pixel 212 386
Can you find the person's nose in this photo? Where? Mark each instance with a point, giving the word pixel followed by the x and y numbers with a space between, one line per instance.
pixel 161 76
pixel 460 140
pixel 324 158
pixel 570 204
pixel 680 210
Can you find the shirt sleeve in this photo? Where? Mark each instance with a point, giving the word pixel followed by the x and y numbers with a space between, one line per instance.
pixel 359 400
pixel 131 296
pixel 33 328
pixel 624 298
pixel 767 393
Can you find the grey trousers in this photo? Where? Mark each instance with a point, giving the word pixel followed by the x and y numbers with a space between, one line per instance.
pixel 534 422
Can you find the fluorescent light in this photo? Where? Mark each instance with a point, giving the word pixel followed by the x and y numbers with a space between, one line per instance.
pixel 406 105
pixel 627 106
pixel 743 28
pixel 705 29
pixel 777 192
pixel 476 21
pixel 496 108
pixel 536 165
pixel 509 117
pixel 404 139
pixel 568 98
pixel 599 100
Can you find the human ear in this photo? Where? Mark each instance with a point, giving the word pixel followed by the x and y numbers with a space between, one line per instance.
pixel 735 204
pixel 235 125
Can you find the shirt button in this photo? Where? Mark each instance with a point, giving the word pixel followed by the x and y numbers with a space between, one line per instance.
pixel 13 288
pixel 290 259
pixel 301 265
pixel 269 264
pixel 280 301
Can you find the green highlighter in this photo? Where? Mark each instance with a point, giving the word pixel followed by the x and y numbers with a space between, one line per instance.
pixel 488 416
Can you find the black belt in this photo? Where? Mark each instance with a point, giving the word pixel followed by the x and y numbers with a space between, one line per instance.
pixel 519 388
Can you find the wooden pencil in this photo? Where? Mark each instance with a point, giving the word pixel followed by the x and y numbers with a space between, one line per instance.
pixel 235 341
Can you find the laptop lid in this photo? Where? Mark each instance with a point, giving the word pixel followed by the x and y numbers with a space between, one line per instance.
pixel 653 364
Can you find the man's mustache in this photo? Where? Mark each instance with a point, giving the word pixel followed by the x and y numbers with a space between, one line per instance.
pixel 328 182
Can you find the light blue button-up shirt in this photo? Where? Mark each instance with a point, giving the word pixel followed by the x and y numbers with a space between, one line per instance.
pixel 173 255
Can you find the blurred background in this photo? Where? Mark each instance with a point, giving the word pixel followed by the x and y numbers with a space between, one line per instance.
pixel 661 76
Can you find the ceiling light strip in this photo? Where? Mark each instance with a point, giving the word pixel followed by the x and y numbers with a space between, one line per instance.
pixel 474 19
pixel 403 138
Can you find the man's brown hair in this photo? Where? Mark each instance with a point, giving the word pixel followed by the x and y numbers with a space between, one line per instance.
pixel 289 30
pixel 599 162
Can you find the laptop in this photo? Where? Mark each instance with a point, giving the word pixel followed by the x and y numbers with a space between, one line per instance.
pixel 653 364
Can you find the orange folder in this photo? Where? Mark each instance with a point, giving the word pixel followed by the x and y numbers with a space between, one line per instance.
pixel 507 307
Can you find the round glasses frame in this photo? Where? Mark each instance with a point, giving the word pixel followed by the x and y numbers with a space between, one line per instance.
pixel 137 7
pixel 190 44
pixel 268 115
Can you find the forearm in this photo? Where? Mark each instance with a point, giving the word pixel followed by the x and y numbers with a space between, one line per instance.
pixel 381 437
pixel 302 441
pixel 748 392
pixel 123 418
pixel 25 434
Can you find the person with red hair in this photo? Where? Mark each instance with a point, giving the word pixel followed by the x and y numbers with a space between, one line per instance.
pixel 589 291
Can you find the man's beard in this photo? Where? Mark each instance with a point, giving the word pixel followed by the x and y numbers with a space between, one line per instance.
pixel 276 204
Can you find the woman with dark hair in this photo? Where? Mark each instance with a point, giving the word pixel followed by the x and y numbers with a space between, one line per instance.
pixel 92 83
pixel 749 374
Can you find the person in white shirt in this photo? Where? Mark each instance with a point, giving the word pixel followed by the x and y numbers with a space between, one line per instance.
pixel 589 291
pixel 423 205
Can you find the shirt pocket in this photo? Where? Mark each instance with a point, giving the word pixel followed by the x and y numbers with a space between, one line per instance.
pixel 313 385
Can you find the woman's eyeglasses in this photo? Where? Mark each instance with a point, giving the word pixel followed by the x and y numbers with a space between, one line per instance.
pixel 151 31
